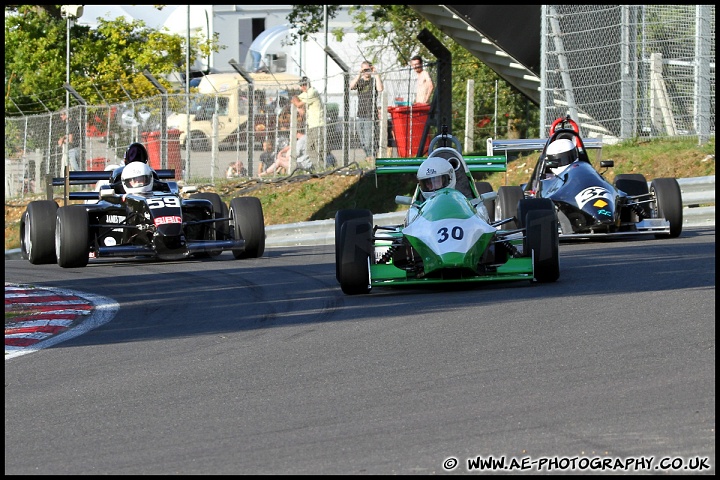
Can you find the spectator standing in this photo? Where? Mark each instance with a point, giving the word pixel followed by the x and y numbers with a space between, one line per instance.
pixel 391 142
pixel 70 136
pixel 310 100
pixel 368 85
pixel 424 82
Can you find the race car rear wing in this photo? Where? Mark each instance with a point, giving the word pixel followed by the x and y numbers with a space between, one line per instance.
pixel 88 177
pixel 530 145
pixel 475 163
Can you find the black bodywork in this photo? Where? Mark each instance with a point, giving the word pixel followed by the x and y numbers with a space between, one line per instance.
pixel 162 224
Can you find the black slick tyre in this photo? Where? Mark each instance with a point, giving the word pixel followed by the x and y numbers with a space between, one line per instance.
pixel 248 223
pixel 355 256
pixel 72 246
pixel 37 232
pixel 668 203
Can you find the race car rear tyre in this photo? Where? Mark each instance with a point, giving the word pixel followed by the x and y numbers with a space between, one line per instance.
pixel 342 216
pixel 632 184
pixel 72 245
pixel 37 232
pixel 668 203
pixel 355 256
pixel 220 210
pixel 542 244
pixel 248 223
pixel 506 204
pixel 486 187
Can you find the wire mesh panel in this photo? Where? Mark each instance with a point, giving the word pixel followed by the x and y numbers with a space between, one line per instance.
pixel 629 71
pixel 621 71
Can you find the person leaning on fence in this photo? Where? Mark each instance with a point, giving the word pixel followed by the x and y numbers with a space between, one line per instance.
pixel 368 85
pixel 315 120
pixel 424 82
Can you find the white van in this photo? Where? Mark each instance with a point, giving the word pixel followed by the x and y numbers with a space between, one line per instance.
pixel 226 94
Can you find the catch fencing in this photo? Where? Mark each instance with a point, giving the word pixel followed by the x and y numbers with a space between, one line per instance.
pixel 33 152
pixel 626 71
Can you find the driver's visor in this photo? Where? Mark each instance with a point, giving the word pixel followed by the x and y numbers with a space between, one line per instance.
pixel 434 183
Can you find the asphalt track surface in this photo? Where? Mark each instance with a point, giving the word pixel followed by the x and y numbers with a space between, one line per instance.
pixel 263 366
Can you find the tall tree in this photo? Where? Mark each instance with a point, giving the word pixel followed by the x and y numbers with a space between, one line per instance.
pixel 109 59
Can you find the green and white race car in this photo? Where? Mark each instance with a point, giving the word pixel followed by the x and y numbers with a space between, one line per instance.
pixel 448 235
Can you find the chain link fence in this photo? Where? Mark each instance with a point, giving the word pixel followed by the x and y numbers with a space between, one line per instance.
pixel 622 71
pixel 201 134
pixel 627 71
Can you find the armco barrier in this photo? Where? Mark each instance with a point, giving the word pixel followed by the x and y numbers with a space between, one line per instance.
pixel 695 192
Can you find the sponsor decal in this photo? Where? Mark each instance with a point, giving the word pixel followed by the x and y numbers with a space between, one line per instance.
pixel 590 194
pixel 168 219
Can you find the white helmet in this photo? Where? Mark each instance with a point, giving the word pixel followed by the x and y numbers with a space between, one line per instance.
pixel 137 177
pixel 435 173
pixel 562 151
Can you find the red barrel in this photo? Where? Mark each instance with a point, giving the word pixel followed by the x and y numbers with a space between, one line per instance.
pixel 408 126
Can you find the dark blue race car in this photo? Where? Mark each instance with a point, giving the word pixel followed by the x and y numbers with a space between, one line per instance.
pixel 587 204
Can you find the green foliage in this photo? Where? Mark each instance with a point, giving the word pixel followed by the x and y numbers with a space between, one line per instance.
pixel 113 57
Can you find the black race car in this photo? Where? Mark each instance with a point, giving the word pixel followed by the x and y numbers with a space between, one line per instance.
pixel 587 204
pixel 161 224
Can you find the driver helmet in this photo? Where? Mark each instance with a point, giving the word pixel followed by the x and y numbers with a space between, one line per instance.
pixel 435 173
pixel 136 152
pixel 137 177
pixel 562 151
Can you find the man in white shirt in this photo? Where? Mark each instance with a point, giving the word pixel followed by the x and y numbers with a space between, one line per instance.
pixel 315 119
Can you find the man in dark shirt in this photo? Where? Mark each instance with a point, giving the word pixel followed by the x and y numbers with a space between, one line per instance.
pixel 70 136
pixel 368 89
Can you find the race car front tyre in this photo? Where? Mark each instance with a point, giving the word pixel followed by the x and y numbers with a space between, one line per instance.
pixel 632 184
pixel 668 203
pixel 220 210
pixel 342 216
pixel 37 232
pixel 72 246
pixel 527 205
pixel 248 223
pixel 355 256
pixel 542 243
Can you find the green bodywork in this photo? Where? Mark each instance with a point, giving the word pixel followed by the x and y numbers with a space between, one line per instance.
pixel 452 267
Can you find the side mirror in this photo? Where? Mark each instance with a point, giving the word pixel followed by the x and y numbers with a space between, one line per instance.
pixel 106 191
pixel 488 196
pixel 607 163
pixel 403 200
